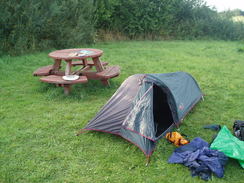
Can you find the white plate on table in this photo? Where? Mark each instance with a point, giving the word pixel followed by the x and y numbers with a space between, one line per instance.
pixel 81 54
pixel 71 77
pixel 85 53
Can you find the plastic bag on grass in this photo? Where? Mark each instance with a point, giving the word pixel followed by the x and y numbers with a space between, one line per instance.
pixel 229 145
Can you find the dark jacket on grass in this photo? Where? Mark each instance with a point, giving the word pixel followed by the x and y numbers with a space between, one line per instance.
pixel 201 160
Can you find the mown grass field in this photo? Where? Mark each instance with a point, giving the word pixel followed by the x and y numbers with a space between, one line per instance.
pixel 38 122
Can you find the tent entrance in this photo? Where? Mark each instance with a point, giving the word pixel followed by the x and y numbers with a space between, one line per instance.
pixel 163 118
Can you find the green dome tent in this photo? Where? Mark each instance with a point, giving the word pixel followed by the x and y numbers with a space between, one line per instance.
pixel 146 106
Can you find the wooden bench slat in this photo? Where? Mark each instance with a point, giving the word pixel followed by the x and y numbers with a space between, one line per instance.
pixel 59 80
pixel 109 72
pixel 43 71
pixel 89 62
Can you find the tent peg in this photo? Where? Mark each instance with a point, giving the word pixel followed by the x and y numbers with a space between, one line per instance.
pixel 148 160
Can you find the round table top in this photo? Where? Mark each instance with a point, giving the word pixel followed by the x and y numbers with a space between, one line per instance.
pixel 76 53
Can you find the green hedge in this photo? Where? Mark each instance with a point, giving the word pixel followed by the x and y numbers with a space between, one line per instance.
pixel 35 25
pixel 28 25
pixel 180 19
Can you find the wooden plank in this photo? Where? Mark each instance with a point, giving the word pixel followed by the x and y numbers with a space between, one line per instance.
pixel 58 73
pixel 89 62
pixel 109 72
pixel 43 71
pixel 59 80
pixel 90 75
pixel 86 68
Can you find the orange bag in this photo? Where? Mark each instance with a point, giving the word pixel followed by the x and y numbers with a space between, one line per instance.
pixel 176 138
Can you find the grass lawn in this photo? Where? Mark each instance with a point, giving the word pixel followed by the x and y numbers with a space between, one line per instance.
pixel 38 123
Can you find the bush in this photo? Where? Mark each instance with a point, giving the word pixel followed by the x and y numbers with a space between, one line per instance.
pixel 208 23
pixel 180 19
pixel 35 25
pixel 136 17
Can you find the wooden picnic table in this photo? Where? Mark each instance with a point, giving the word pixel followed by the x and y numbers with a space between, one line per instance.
pixel 54 74
pixel 67 56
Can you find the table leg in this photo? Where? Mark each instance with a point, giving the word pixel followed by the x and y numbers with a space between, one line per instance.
pixel 68 67
pixel 99 68
pixel 98 65
pixel 56 65
pixel 105 82
pixel 67 89
pixel 84 62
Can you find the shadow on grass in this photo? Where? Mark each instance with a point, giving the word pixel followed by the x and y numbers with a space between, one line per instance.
pixel 111 138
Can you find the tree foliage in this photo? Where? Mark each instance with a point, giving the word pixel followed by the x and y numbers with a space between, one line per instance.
pixel 34 25
pixel 181 19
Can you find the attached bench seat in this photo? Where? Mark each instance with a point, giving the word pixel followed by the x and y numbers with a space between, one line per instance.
pixel 43 71
pixel 89 62
pixel 59 80
pixel 109 72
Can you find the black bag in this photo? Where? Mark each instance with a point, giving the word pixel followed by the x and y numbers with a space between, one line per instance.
pixel 238 128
